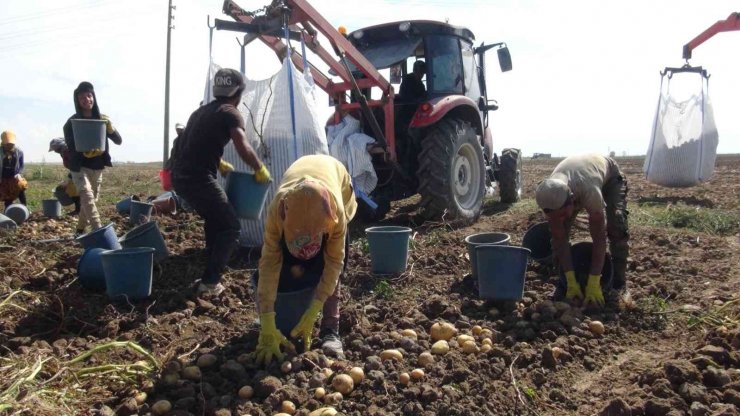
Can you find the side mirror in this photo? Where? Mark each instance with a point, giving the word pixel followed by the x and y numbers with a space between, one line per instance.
pixel 504 59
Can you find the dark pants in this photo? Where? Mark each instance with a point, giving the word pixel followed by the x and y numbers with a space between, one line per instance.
pixel 221 224
pixel 21 198
pixel 312 270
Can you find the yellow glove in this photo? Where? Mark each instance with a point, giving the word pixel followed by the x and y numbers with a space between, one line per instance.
pixel 225 167
pixel 305 325
pixel 573 290
pixel 593 290
pixel 262 175
pixel 109 129
pixel 269 341
pixel 93 153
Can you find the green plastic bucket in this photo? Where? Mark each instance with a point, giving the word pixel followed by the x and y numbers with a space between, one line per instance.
pixel 146 235
pixel 501 271
pixel 140 212
pixel 389 248
pixel 128 272
pixel 537 240
pixel 483 239
pixel 52 208
pixel 89 134
pixel 246 195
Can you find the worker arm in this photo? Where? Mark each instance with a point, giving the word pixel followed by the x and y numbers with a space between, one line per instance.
pixel 20 161
pixel 560 246
pixel 244 149
pixel 597 228
pixel 333 261
pixel 110 131
pixel 270 262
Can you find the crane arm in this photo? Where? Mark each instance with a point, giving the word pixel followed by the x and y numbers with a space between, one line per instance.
pixel 727 25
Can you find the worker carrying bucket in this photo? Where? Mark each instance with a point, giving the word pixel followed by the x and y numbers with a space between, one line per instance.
pixel 593 183
pixel 305 250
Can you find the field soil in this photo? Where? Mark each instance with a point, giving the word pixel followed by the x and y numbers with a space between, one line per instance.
pixel 672 349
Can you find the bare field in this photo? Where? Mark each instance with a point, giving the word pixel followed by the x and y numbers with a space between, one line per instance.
pixel 674 351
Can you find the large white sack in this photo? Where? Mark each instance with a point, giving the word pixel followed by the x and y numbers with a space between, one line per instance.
pixel 683 147
pixel 267 116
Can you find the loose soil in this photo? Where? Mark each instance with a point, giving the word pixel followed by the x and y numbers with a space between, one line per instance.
pixel 671 350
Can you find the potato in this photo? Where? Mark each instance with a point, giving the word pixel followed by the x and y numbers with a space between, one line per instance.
pixel 281 414
pixel 288 407
pixel 191 373
pixel 404 378
pixel 333 398
pixel 319 393
pixel 171 379
pixel 462 339
pixel 469 347
pixel 161 407
pixel 440 347
pixel 244 358
pixel 357 374
pixel 324 411
pixel 286 366
pixel 596 327
pixel 327 372
pixel 391 355
pixel 443 331
pixel 426 359
pixel 246 392
pixel 477 329
pixel 206 360
pixel 557 352
pixel 409 333
pixel 486 333
pixel 395 335
pixel 485 348
pixel 487 341
pixel 343 384
pixel 417 374
pixel 140 398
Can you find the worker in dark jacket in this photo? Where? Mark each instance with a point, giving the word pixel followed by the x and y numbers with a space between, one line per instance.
pixel 12 184
pixel 195 164
pixel 87 167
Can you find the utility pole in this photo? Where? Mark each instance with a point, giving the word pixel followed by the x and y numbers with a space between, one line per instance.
pixel 166 152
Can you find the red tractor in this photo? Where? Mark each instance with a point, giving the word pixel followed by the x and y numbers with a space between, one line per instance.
pixel 435 138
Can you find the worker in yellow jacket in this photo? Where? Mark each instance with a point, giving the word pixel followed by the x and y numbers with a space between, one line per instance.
pixel 305 245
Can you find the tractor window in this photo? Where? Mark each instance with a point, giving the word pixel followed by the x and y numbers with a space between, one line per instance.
pixel 443 52
pixel 470 67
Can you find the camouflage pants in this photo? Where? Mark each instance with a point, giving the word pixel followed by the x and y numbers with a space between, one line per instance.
pixel 617 228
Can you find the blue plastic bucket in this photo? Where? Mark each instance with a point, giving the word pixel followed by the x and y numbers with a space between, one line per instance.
pixel 289 307
pixel 128 272
pixel 18 213
pixel 537 240
pixel 246 195
pixel 7 223
pixel 61 195
pixel 52 208
pixel 140 212
pixel 90 269
pixel 124 206
pixel 483 239
pixel 104 237
pixel 389 248
pixel 89 134
pixel 501 271
pixel 146 235
pixel 581 254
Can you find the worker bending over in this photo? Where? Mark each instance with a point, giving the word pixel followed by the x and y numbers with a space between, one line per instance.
pixel 593 183
pixel 305 245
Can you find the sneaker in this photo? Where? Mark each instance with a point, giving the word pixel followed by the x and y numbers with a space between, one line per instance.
pixel 331 344
pixel 213 289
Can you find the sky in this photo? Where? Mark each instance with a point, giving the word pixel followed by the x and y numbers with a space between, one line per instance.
pixel 585 78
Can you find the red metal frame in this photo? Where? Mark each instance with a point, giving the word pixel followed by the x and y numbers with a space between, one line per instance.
pixel 305 18
pixel 731 23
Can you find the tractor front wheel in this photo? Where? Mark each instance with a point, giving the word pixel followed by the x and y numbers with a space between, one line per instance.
pixel 510 176
pixel 451 172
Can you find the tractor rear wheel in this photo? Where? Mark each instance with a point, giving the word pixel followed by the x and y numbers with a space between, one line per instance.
pixel 510 176
pixel 451 172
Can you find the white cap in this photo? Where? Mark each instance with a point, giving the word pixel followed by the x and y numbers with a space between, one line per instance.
pixel 552 193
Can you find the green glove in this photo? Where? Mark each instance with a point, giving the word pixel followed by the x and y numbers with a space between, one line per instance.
pixel 593 290
pixel 270 340
pixel 574 289
pixel 305 325
pixel 262 175
pixel 224 167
